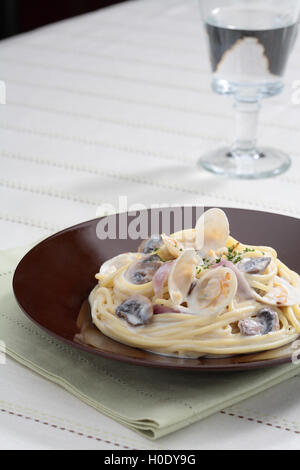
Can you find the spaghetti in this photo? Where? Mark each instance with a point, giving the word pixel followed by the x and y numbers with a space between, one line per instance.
pixel 196 293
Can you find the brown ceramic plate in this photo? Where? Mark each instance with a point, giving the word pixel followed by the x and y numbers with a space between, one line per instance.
pixel 53 281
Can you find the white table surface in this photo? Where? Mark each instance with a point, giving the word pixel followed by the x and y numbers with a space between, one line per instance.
pixel 112 103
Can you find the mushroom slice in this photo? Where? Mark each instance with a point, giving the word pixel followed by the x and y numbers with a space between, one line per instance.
pixel 136 310
pixel 250 327
pixel 174 247
pixel 265 322
pixel 282 294
pixel 213 292
pixel 113 265
pixel 148 246
pixel 143 270
pixel 182 275
pixel 212 231
pixel 254 265
pixel 269 319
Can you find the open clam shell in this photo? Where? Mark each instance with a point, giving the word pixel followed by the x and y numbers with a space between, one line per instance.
pixel 113 265
pixel 212 231
pixel 182 275
pixel 213 292
pixel 282 294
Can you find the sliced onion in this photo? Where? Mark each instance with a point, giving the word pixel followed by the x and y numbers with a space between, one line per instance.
pixel 160 278
pixel 159 309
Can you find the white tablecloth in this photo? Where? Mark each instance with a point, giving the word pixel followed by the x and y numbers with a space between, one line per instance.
pixel 118 103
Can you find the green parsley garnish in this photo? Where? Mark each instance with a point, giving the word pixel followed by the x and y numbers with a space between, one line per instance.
pixel 154 258
pixel 248 250
pixel 234 256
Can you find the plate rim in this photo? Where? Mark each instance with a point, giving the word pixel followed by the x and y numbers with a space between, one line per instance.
pixel 233 367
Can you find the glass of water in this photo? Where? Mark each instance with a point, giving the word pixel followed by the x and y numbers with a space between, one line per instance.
pixel 250 42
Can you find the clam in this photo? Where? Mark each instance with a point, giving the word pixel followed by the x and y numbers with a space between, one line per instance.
pixel 212 231
pixel 113 265
pixel 182 275
pixel 186 238
pixel 282 294
pixel 175 247
pixel 213 292
pixel 244 290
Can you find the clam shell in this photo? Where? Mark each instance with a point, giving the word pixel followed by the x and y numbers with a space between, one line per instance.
pixel 182 275
pixel 213 292
pixel 282 294
pixel 113 265
pixel 212 231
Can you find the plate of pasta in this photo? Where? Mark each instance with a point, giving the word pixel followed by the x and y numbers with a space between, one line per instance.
pixel 214 296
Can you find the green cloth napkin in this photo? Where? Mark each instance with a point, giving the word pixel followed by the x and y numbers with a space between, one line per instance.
pixel 152 402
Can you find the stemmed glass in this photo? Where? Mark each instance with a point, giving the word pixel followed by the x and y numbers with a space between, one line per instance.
pixel 250 42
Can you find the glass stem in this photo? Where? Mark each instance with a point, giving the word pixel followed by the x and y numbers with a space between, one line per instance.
pixel 247 114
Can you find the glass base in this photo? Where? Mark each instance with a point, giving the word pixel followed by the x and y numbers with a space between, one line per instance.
pixel 265 163
pixel 248 92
